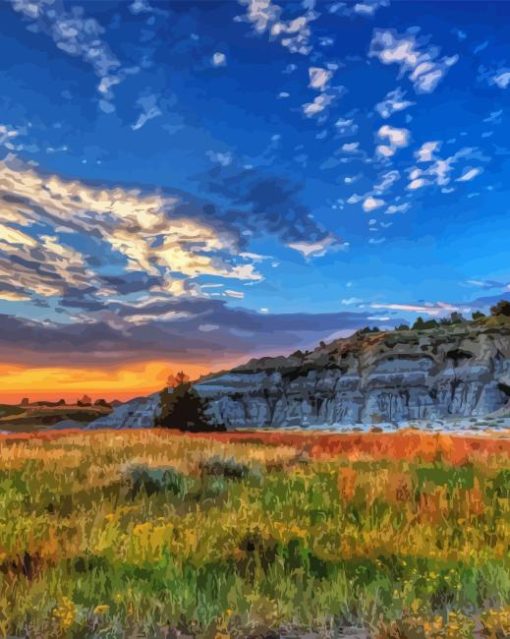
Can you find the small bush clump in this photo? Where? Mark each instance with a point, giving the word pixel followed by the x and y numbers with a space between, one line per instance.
pixel 156 480
pixel 228 467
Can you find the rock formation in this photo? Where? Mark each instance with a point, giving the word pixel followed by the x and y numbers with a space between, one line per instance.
pixel 461 370
pixel 453 371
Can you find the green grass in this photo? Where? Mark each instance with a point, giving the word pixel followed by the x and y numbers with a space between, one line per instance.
pixel 125 534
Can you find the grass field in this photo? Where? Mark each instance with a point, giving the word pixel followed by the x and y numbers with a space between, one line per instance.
pixel 153 533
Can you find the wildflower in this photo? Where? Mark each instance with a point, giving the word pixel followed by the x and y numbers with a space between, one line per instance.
pixel 101 609
pixel 65 613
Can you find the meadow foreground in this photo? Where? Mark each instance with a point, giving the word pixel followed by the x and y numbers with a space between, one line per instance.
pixel 156 534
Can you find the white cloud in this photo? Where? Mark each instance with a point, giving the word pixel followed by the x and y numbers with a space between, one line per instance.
pixel 416 60
pixel 469 175
pixel 439 170
pixel 433 309
pixel 219 59
pixel 355 198
pixel 372 203
pixel 501 79
pixel 223 159
pixel 265 16
pixel 316 248
pixel 239 295
pixel 319 78
pixel 494 117
pixel 398 208
pixel 144 229
pixel 397 137
pixel 346 127
pixel 364 8
pixel 321 102
pixel 150 110
pixel 79 36
pixel 7 133
pixel 386 181
pixel 392 103
pixel 350 147
pixel 426 152
pixel 417 183
pixel 385 151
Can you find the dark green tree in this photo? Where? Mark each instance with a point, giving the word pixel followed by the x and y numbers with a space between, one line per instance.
pixel 501 308
pixel 421 325
pixel 456 318
pixel 478 315
pixel 182 408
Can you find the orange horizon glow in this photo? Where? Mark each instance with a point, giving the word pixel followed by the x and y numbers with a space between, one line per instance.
pixel 70 383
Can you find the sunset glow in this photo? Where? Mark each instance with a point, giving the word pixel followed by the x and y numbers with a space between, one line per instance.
pixel 54 383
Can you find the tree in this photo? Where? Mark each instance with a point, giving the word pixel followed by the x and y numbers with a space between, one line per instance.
pixel 402 327
pixel 477 315
pixel 368 329
pixel 182 408
pixel 456 318
pixel 501 308
pixel 102 402
pixel 176 380
pixel 422 325
pixel 61 402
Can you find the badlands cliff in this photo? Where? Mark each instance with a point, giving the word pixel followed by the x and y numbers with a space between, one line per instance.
pixel 453 371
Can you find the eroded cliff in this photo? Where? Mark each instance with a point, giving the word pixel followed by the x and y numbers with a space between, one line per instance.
pixel 460 370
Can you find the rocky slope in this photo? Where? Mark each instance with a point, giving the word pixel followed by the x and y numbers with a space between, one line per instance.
pixel 453 371
pixel 461 370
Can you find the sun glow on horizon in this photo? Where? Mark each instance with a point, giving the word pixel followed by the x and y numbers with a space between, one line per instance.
pixel 123 382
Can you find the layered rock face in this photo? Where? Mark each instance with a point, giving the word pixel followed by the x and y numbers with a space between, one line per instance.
pixel 455 371
pixel 138 413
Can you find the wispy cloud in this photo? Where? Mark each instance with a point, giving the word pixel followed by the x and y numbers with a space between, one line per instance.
pixel 319 104
pixel 393 103
pixel 319 77
pixel 151 233
pixel 417 60
pixel 150 110
pixel 267 17
pixel 80 36
pixel 469 174
pixel 426 152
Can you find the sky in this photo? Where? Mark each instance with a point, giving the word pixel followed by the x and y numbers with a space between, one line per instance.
pixel 192 184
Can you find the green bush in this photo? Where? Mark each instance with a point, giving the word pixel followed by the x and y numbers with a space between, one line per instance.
pixel 156 480
pixel 229 468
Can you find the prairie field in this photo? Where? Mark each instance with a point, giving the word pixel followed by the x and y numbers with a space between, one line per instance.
pixel 160 534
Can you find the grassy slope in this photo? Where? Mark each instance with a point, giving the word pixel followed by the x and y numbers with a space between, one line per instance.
pixel 33 418
pixel 384 531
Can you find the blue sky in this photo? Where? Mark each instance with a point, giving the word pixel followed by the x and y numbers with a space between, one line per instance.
pixel 212 180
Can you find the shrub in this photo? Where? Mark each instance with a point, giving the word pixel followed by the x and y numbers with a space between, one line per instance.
pixel 182 408
pixel 156 480
pixel 501 308
pixel 229 468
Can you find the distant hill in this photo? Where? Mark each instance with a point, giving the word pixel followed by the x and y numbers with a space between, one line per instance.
pixel 42 415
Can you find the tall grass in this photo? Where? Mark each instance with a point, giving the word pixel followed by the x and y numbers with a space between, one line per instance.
pixel 148 533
